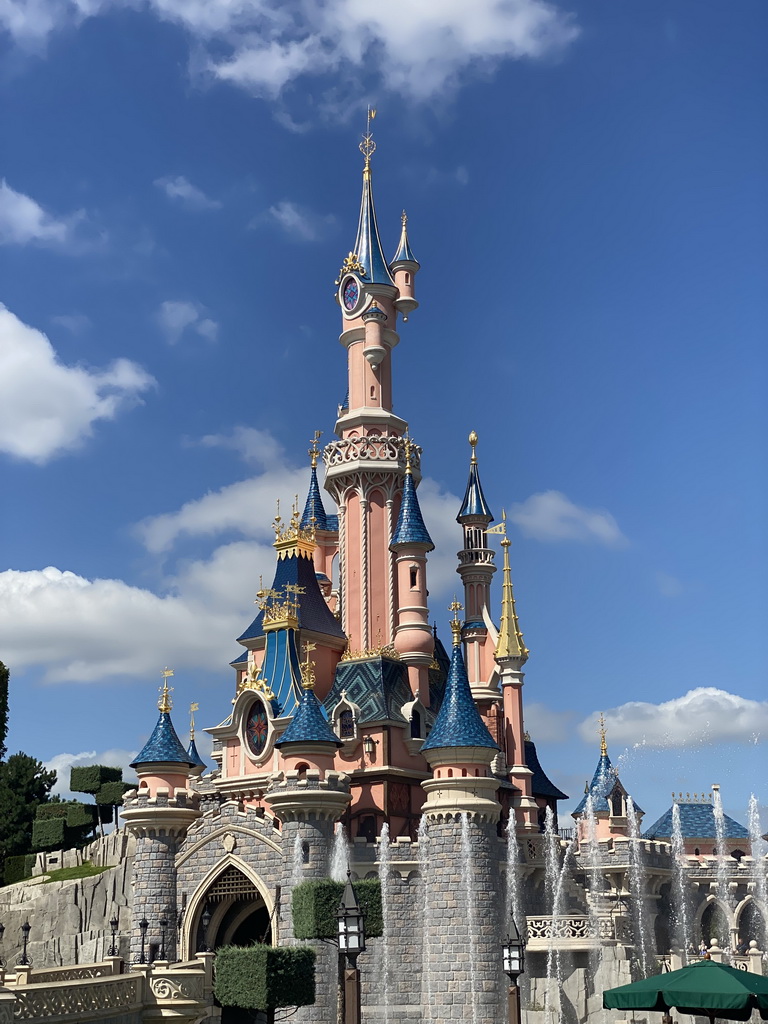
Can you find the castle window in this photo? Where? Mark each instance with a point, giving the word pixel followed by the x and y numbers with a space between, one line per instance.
pixel 347 725
pixel 305 853
pixel 302 769
pixel 414 577
pixel 617 803
pixel 697 852
pixel 415 725
pixel 407 277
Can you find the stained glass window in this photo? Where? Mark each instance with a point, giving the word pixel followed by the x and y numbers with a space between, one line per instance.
pixel 257 728
pixel 351 293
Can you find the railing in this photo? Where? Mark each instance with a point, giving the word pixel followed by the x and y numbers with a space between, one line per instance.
pixel 64 999
pixel 374 447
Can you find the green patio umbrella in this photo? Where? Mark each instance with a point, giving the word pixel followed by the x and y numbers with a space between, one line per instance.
pixel 703 989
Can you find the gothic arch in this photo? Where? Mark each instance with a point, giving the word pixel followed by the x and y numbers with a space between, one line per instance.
pixel 197 903
pixel 716 906
pixel 749 915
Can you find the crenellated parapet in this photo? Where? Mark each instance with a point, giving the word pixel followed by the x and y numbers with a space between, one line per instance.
pixel 146 813
pixel 306 795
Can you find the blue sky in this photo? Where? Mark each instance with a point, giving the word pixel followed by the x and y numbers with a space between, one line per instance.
pixel 585 185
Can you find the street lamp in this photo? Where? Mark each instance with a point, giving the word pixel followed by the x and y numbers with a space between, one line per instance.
pixel 24 960
pixel 513 955
pixel 351 943
pixel 114 949
pixel 206 923
pixel 143 926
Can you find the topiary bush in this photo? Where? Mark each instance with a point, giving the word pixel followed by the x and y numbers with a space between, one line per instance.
pixel 16 869
pixel 91 777
pixel 315 907
pixel 46 811
pixel 265 977
pixel 48 833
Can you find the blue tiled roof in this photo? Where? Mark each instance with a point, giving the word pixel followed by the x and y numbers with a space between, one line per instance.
pixel 309 724
pixel 194 756
pixel 540 783
pixel 404 252
pixel 163 746
pixel 410 527
pixel 697 821
pixel 368 244
pixel 379 687
pixel 600 788
pixel 314 613
pixel 314 506
pixel 282 671
pixel 332 523
pixel 474 503
pixel 241 659
pixel 458 723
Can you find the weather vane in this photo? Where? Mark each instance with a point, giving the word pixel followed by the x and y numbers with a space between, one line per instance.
pixel 314 449
pixel 603 744
pixel 164 704
pixel 368 146
pixel 193 707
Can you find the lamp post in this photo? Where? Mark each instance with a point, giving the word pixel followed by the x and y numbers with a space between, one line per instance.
pixel 24 960
pixel 351 944
pixel 114 949
pixel 513 954
pixel 2 958
pixel 143 926
pixel 206 923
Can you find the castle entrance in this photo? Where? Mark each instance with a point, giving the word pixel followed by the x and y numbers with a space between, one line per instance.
pixel 233 913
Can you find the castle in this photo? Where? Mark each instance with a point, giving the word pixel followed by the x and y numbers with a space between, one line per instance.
pixel 350 718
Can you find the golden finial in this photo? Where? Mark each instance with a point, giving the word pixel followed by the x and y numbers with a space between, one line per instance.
pixel 455 607
pixel 408 449
pixel 603 744
pixel 404 219
pixel 165 704
pixel 308 667
pixel 510 643
pixel 368 146
pixel 193 707
pixel 473 443
pixel 314 450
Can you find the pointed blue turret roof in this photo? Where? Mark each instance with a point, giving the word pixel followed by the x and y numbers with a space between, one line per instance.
pixel 194 756
pixel 474 503
pixel 368 248
pixel 404 252
pixel 314 506
pixel 410 528
pixel 309 724
pixel 604 781
pixel 458 723
pixel 281 670
pixel 163 746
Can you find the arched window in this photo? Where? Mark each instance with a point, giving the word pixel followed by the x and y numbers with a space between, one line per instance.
pixel 414 577
pixel 305 852
pixel 415 725
pixel 302 769
pixel 347 725
pixel 617 803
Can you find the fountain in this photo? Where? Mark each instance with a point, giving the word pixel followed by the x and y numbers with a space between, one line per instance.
pixel 637 890
pixel 555 874
pixel 424 869
pixel 384 958
pixel 468 883
pixel 680 886
pixel 594 883
pixel 758 846
pixel 340 854
pixel 513 906
pixel 722 862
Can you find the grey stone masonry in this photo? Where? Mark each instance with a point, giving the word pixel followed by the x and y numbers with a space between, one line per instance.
pixel 154 895
pixel 462 927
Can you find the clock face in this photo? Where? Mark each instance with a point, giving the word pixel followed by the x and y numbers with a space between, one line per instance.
pixel 257 728
pixel 350 293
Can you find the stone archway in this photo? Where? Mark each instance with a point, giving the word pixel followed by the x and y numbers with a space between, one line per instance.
pixel 239 915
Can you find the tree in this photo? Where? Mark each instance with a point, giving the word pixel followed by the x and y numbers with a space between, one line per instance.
pixel 4 676
pixel 63 825
pixel 106 786
pixel 24 785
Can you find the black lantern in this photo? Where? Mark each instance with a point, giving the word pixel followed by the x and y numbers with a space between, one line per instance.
pixel 206 923
pixel 351 925
pixel 24 960
pixel 369 747
pixel 513 952
pixel 114 949
pixel 143 925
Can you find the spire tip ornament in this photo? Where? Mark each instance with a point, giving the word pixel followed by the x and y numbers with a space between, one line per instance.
pixel 314 448
pixel 473 439
pixel 368 146
pixel 603 744
pixel 455 607
pixel 165 703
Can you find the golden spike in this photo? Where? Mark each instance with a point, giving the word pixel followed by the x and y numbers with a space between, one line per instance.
pixel 455 607
pixel 165 704
pixel 308 667
pixel 404 218
pixel 510 643
pixel 408 449
pixel 603 744
pixel 473 442
pixel 193 707
pixel 368 146
pixel 314 449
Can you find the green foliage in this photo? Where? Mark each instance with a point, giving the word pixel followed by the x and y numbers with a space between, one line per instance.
pixel 265 977
pixel 4 677
pixel 24 785
pixel 17 868
pixel 80 816
pixel 53 809
pixel 85 870
pixel 112 792
pixel 90 778
pixel 48 833
pixel 315 907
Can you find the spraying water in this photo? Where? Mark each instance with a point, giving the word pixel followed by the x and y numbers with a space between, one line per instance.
pixel 426 969
pixel 468 883
pixel 720 847
pixel 679 886
pixel 637 889
pixel 555 876
pixel 386 915
pixel 297 867
pixel 339 854
pixel 758 856
pixel 513 905
pixel 595 883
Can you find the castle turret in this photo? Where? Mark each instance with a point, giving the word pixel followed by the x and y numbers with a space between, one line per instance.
pixel 324 527
pixel 159 813
pixel 462 813
pixel 414 641
pixel 608 797
pixel 404 268
pixel 476 568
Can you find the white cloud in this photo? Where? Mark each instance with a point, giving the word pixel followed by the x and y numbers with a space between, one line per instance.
pixel 417 49
pixel 175 318
pixel 46 407
pixel 257 447
pixel 24 221
pixel 183 191
pixel 75 323
pixel 551 516
pixel 701 717
pixel 63 763
pixel 298 222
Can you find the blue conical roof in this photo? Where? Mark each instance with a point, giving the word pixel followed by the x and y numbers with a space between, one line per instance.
pixel 163 746
pixel 458 723
pixel 474 503
pixel 600 788
pixel 410 528
pixel 368 244
pixel 404 252
pixel 194 756
pixel 309 724
pixel 314 506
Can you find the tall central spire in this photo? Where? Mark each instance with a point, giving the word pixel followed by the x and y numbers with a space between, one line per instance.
pixel 368 251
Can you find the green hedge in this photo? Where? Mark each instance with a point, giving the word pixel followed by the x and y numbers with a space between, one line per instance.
pixel 48 833
pixel 315 906
pixel 111 792
pixel 15 869
pixel 79 815
pixel 45 811
pixel 91 777
pixel 265 977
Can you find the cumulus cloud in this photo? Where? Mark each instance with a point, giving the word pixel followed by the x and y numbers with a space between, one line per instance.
pixel 298 222
pixel 418 50
pixel 183 191
pixel 62 764
pixel 23 221
pixel 701 717
pixel 551 516
pixel 176 318
pixel 257 447
pixel 47 407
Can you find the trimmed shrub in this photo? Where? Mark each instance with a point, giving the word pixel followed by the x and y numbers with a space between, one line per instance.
pixel 315 906
pixel 46 811
pixel 48 833
pixel 80 815
pixel 18 868
pixel 112 793
pixel 265 977
pixel 91 777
